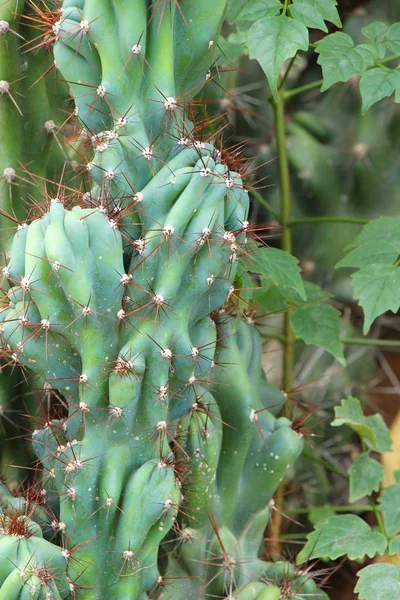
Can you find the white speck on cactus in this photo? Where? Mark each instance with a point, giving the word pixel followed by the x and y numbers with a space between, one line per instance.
pixel 205 172
pixel 22 226
pixel 211 44
pixel 125 279
pixel 139 245
pixel 116 412
pixel 195 352
pixel 45 323
pixel 170 103
pixel 168 230
pixel 4 27
pixel 83 407
pixel 229 237
pixel 121 314
pixel 71 493
pixel 56 266
pixel 25 284
pixel 9 174
pixel 138 197
pixel 166 353
pixel 121 122
pixel 147 153
pixel 84 26
pixel 83 378
pixel 253 416
pixel 231 291
pixel 210 280
pixel 113 224
pixel 161 426
pixel 109 174
pixel 158 299
pixel 6 271
pixel 50 126
pixel 229 182
pixel 136 49
pixel 4 87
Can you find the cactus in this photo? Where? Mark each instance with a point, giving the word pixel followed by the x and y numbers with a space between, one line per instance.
pixel 160 460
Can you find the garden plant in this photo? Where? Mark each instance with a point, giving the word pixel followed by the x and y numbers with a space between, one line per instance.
pixel 144 450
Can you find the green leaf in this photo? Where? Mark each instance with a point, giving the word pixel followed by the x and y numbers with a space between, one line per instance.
pixel 377 84
pixel 257 9
pixel 394 546
pixel 340 59
pixel 383 229
pixel 392 39
pixel 370 254
pixel 366 475
pixel 313 13
pixel 276 265
pixel 272 41
pixel 377 287
pixel 340 535
pixel 372 429
pixel 390 506
pixel 308 15
pixel 319 324
pixel 375 31
pixel 379 582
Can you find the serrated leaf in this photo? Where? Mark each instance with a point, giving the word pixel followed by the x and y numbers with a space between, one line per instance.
pixel 383 229
pixel 340 59
pixel 320 325
pixel 370 254
pixel 390 507
pixel 392 38
pixel 272 41
pixel 377 84
pixel 377 287
pixel 372 429
pixel 366 475
pixel 278 266
pixel 314 13
pixel 394 546
pixel 308 15
pixel 379 582
pixel 375 32
pixel 257 9
pixel 252 9
pixel 340 535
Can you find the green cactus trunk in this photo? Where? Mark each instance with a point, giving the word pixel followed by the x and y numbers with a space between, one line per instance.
pixel 158 470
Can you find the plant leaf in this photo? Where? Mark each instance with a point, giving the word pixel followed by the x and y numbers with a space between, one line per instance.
pixel 375 31
pixel 340 535
pixel 394 546
pixel 372 429
pixel 340 59
pixel 383 229
pixel 379 582
pixel 366 475
pixel 313 13
pixel 257 9
pixel 272 41
pixel 377 84
pixel 392 38
pixel 319 324
pixel 276 265
pixel 390 506
pixel 370 254
pixel 377 289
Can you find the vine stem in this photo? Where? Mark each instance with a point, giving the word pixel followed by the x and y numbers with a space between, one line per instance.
pixel 316 220
pixel 286 207
pixel 288 354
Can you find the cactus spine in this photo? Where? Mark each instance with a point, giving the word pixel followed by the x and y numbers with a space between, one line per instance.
pixel 159 461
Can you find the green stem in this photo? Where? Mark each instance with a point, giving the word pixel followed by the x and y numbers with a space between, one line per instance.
pixel 371 342
pixel 309 220
pixel 358 508
pixel 285 7
pixel 259 198
pixel 303 88
pixel 285 200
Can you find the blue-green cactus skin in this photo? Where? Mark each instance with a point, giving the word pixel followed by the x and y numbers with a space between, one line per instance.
pixel 158 475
